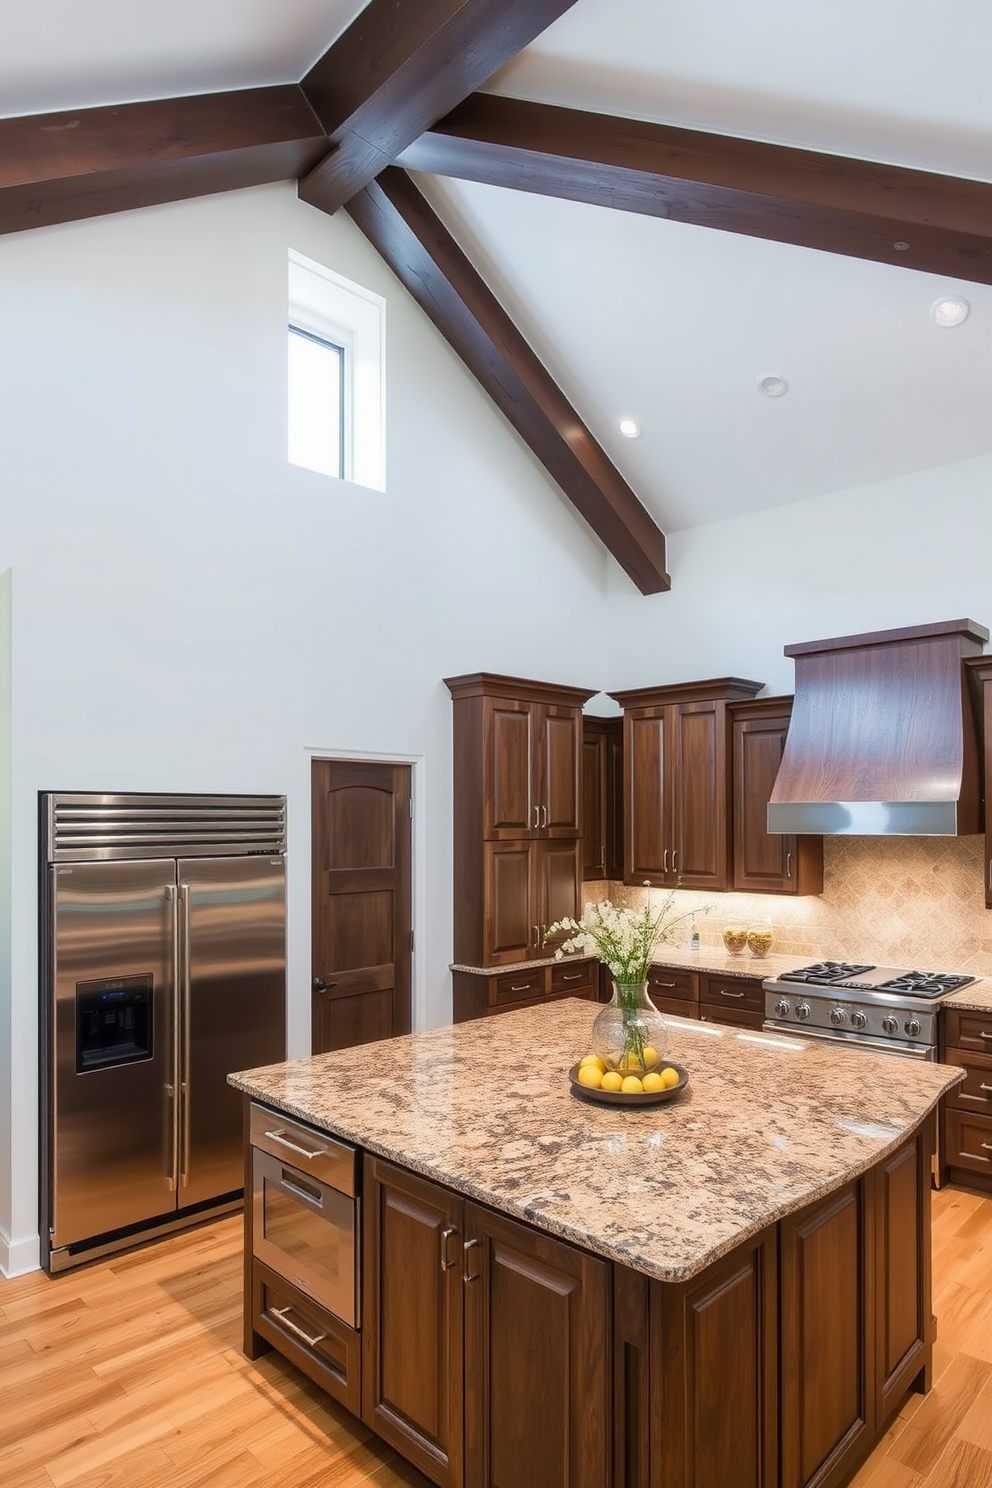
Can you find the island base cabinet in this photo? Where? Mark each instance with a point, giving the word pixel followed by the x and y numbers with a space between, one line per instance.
pixel 538 1385
pixel 486 1343
pixel 412 1366
pixel 714 1376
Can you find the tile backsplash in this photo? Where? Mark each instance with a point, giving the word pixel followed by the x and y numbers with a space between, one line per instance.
pixel 913 902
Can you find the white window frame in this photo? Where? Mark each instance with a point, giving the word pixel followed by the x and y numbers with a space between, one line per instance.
pixel 336 309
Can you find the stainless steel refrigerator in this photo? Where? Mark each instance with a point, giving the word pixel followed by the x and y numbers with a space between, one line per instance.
pixel 163 969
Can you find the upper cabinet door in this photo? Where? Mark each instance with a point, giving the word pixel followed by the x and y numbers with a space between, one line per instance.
pixel 647 797
pixel 698 763
pixel 766 862
pixel 557 769
pixel 508 804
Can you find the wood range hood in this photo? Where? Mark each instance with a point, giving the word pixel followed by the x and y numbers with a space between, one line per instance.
pixel 882 740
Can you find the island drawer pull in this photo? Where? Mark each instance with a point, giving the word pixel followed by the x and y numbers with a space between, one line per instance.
pixel 986 1036
pixel 986 1087
pixel 466 1274
pixel 523 987
pixel 656 982
pixel 312 1340
pixel 284 1141
pixel 446 1234
pixel 987 1146
pixel 725 992
pixel 573 976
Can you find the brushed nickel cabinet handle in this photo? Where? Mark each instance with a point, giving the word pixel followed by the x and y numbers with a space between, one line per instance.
pixel 664 862
pixel 537 817
pixel 544 816
pixel 466 1274
pixel 788 865
pixel 311 1339
pixel 986 1036
pixel 656 982
pixel 576 976
pixel 987 1146
pixel 537 934
pixel 675 865
pixel 446 1234
pixel 986 1087
pixel 725 993
pixel 524 987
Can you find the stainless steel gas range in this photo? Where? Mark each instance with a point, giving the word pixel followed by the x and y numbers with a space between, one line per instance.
pixel 871 1007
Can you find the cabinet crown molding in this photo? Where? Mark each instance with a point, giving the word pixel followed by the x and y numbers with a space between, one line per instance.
pixel 721 689
pixel 493 684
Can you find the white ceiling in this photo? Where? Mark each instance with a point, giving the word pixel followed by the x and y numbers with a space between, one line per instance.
pixel 674 324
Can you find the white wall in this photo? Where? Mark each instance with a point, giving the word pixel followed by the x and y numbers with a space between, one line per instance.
pixel 901 552
pixel 193 613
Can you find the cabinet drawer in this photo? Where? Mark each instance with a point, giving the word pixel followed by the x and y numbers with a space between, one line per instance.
pixel 321 1345
pixel 968 1141
pixel 516 987
pixel 666 981
pixel 737 1015
pixel 975 1094
pixel 968 1030
pixel 569 977
pixel 676 1007
pixel 732 992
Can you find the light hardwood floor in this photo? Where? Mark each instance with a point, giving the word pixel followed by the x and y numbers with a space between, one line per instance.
pixel 129 1374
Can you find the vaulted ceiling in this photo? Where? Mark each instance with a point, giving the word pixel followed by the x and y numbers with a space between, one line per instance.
pixel 746 191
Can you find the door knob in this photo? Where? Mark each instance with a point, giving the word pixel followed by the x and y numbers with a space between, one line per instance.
pixel 319 985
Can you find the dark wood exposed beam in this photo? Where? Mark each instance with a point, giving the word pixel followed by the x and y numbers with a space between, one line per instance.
pixel 914 219
pixel 87 162
pixel 400 65
pixel 394 216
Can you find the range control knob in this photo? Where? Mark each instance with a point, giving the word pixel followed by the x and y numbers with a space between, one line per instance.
pixel 802 1010
pixel 837 1016
pixel 783 1008
pixel 890 1024
pixel 913 1027
pixel 859 1019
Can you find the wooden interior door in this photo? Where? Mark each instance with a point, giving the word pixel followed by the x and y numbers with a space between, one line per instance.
pixel 361 897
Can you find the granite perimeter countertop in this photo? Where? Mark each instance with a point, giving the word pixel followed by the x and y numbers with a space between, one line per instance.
pixel 765 1126
pixel 708 959
pixel 975 999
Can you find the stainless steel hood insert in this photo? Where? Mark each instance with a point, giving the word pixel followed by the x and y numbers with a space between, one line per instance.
pixel 882 739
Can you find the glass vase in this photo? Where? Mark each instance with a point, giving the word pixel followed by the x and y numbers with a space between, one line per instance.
pixel 629 1034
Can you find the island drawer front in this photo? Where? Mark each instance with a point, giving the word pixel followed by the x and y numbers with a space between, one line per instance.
pixel 968 1141
pixel 575 980
pixel 737 1017
pixel 668 982
pixel 965 1030
pixel 516 987
pixel 730 992
pixel 306 1148
pixel 975 1092
pixel 321 1345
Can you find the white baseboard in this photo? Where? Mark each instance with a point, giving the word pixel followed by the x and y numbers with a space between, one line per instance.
pixel 17 1257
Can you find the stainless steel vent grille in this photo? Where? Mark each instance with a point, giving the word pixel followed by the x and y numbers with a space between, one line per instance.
pixel 85 827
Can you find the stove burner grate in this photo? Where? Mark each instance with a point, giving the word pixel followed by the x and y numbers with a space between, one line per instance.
pixel 925 983
pixel 825 971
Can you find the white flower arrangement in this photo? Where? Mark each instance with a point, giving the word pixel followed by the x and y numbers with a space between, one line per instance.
pixel 624 939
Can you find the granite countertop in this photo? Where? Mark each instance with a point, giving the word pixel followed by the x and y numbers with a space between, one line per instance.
pixel 708 959
pixel 765 1126
pixel 976 999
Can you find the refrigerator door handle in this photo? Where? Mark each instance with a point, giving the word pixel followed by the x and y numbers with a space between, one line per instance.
pixel 172 1089
pixel 185 1041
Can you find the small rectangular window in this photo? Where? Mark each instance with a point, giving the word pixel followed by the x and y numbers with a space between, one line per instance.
pixel 337 375
pixel 316 402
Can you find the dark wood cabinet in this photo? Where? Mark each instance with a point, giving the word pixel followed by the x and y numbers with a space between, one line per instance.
pixel 517 769
pixel 413 1303
pixel 731 999
pixel 538 1386
pixel 966 1130
pixel 676 769
pixel 465 1310
pixel 602 798
pixel 477 995
pixel 719 1409
pixel 766 862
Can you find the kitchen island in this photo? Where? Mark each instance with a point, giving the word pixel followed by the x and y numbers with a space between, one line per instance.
pixel 728 1288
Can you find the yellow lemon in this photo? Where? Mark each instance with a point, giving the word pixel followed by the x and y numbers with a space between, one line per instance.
pixel 612 1080
pixel 590 1075
pixel 632 1085
pixel 592 1059
pixel 629 1062
pixel 653 1082
pixel 670 1076
pixel 651 1057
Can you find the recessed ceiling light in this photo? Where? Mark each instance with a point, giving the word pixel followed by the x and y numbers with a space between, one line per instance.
pixel 629 428
pixel 949 310
pixel 773 386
